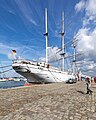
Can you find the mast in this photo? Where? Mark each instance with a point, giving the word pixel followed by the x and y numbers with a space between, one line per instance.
pixel 46 34
pixel 63 46
pixel 74 58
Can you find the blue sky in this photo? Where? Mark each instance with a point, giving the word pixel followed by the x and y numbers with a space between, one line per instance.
pixel 22 27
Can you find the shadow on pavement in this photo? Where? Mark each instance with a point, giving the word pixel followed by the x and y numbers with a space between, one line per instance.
pixel 81 92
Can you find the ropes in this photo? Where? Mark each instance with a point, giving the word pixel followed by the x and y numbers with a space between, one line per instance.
pixel 6 71
pixel 6 66
pixel 53 76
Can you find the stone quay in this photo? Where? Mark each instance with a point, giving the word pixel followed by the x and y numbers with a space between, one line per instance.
pixel 57 101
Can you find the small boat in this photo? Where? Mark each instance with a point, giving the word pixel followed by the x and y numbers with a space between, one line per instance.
pixel 16 79
pixel 3 79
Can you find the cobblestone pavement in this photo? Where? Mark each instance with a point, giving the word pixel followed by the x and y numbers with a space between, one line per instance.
pixel 48 102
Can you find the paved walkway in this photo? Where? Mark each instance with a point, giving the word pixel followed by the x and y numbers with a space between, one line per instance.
pixel 48 102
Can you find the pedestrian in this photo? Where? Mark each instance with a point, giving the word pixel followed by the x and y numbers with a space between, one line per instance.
pixel 94 79
pixel 88 84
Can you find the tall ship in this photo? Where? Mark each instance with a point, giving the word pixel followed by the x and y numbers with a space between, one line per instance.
pixel 43 72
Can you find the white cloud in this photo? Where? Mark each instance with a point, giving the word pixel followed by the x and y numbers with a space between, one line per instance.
pixel 88 67
pixel 79 6
pixel 87 42
pixel 53 54
pixel 90 11
pixel 87 37
pixel 87 46
pixel 91 8
pixel 84 40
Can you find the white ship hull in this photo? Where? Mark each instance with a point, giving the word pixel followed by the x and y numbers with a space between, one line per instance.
pixel 40 72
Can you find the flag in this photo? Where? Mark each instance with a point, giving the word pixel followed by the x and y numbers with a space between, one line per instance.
pixel 14 52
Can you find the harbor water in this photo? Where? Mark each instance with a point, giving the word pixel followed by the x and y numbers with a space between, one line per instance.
pixel 11 83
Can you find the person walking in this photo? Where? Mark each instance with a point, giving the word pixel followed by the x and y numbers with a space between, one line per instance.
pixel 94 79
pixel 88 84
